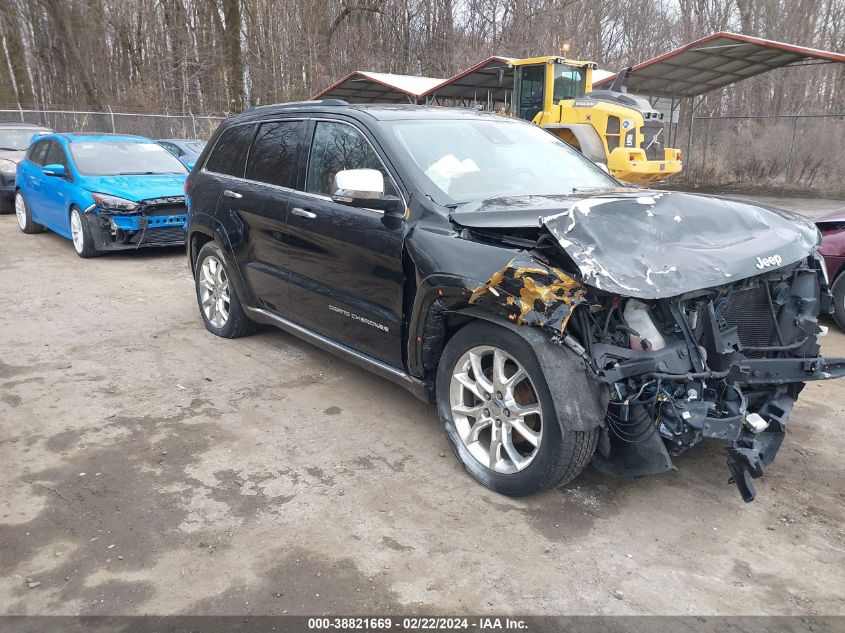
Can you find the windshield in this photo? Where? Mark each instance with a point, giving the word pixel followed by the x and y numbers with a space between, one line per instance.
pixel 16 138
pixel 477 159
pixel 116 158
pixel 195 146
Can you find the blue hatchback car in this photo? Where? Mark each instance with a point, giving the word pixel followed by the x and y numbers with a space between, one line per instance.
pixel 104 192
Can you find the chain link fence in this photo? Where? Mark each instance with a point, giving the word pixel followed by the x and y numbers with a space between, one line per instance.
pixel 790 151
pixel 140 124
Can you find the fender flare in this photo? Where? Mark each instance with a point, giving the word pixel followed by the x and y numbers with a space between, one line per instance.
pixel 588 139
pixel 580 402
pixel 214 229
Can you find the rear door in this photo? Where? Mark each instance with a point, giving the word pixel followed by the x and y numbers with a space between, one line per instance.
pixel 221 191
pixel 29 179
pixel 346 262
pixel 261 205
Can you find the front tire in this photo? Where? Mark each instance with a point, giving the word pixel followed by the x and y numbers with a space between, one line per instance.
pixel 24 216
pixel 838 290
pixel 80 234
pixel 218 301
pixel 499 416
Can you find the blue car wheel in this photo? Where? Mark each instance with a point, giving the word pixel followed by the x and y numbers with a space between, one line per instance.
pixel 80 232
pixel 24 215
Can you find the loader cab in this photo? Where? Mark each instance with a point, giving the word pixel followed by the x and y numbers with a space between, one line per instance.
pixel 541 82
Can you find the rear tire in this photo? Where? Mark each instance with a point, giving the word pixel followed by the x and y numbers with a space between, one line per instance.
pixel 24 216
pixel 529 452
pixel 217 298
pixel 83 241
pixel 838 290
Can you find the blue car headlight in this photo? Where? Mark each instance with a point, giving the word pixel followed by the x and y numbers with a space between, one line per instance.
pixel 113 203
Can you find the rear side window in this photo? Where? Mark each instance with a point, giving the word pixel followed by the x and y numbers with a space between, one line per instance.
pixel 37 152
pixel 272 158
pixel 229 154
pixel 338 146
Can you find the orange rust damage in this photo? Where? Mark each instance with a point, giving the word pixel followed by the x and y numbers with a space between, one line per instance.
pixel 531 293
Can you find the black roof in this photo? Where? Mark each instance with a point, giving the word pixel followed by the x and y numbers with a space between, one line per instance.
pixel 380 111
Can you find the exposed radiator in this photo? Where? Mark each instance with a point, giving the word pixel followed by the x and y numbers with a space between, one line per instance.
pixel 748 309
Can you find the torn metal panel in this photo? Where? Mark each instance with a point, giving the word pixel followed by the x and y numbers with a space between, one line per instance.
pixel 529 292
pixel 652 244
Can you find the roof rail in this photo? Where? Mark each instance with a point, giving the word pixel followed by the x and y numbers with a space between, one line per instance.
pixel 293 104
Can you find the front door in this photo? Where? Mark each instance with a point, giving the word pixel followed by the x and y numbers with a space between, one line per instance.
pixel 56 191
pixel 346 262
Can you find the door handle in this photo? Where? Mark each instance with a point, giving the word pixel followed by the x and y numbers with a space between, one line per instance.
pixel 303 213
pixel 232 194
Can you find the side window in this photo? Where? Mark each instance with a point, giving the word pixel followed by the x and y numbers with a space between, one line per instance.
pixel 229 154
pixel 272 157
pixel 55 155
pixel 37 152
pixel 338 146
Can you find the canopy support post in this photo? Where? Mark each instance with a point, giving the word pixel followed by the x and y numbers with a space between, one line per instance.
pixel 693 108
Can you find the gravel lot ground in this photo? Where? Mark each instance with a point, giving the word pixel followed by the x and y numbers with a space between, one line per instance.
pixel 149 467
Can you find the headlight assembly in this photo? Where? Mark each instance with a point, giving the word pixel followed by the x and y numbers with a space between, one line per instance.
pixel 8 167
pixel 113 203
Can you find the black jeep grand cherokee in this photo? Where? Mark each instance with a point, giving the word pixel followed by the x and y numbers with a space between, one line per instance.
pixel 553 315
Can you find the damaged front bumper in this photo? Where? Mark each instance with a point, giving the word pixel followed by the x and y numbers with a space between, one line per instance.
pixel 152 224
pixel 751 418
pixel 756 438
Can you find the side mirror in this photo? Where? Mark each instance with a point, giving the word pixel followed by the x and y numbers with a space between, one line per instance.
pixel 364 188
pixel 55 170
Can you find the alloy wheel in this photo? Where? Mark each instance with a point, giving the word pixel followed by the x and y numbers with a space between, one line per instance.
pixel 496 409
pixel 214 291
pixel 76 231
pixel 20 210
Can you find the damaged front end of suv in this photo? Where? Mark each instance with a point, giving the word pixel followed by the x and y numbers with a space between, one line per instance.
pixel 697 316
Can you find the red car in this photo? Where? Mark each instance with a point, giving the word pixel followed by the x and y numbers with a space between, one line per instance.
pixel 832 227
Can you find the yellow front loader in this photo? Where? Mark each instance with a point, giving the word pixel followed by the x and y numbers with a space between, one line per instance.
pixel 610 126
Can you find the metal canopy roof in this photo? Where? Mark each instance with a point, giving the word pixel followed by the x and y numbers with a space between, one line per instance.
pixel 474 83
pixel 368 87
pixel 713 62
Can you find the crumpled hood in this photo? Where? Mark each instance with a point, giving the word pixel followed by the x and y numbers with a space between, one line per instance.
pixel 656 244
pixel 137 188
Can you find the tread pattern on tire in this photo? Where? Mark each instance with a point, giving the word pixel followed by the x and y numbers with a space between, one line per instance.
pixel 583 446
